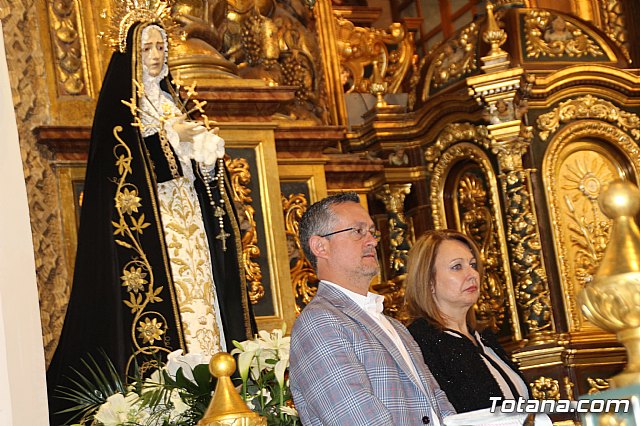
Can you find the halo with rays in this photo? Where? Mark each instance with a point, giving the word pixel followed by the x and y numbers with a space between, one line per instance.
pixel 125 13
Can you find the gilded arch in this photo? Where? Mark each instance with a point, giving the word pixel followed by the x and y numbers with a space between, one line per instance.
pixel 582 158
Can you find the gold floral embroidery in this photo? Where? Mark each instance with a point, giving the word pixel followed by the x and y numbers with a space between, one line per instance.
pixel 134 279
pixel 150 330
pixel 128 201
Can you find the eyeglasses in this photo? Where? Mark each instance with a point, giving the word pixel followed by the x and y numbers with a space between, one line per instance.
pixel 357 233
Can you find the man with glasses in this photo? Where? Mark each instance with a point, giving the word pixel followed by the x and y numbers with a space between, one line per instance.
pixel 350 364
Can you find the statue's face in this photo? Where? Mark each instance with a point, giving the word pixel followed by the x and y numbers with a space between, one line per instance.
pixel 153 52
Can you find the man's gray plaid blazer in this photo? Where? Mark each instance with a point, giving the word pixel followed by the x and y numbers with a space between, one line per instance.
pixel 346 371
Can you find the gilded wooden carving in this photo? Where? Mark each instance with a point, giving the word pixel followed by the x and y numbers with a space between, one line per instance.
pixel 359 48
pixel 26 67
pixel 544 388
pixel 597 385
pixel 587 107
pixel 69 48
pixel 614 24
pixel 303 277
pixel 399 239
pixel 531 282
pixel 575 170
pixel 553 36
pixel 240 178
pixel 478 221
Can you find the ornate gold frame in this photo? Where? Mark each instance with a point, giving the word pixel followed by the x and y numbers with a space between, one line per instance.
pixel 574 137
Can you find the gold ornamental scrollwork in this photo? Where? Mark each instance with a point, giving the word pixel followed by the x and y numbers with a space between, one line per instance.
pixel 358 48
pixel 553 36
pixel 452 133
pixel 455 59
pixel 587 107
pixel 545 388
pixel 68 47
pixel 510 142
pixel 478 222
pixel 303 277
pixel 240 178
pixel 574 181
pixel 597 385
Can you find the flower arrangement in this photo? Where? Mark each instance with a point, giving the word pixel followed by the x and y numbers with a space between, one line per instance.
pixel 263 364
pixel 178 393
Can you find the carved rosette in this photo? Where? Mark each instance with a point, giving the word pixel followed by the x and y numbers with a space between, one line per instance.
pixel 553 36
pixel 240 178
pixel 303 277
pixel 587 107
pixel 68 48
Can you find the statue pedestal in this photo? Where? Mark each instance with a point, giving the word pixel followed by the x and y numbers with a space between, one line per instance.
pixel 619 406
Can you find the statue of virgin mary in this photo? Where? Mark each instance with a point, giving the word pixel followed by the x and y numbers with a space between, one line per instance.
pixel 159 259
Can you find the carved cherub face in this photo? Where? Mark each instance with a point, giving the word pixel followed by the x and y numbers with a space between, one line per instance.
pixel 559 25
pixel 153 52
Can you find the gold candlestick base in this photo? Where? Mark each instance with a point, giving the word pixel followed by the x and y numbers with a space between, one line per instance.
pixel 227 407
pixel 612 300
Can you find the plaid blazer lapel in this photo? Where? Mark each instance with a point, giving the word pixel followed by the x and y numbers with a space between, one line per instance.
pixel 350 308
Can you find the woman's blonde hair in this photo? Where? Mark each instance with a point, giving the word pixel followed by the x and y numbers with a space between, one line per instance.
pixel 421 275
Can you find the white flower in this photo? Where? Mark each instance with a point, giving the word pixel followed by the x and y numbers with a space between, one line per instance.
pixel 179 406
pixel 175 361
pixel 118 409
pixel 248 350
pixel 289 411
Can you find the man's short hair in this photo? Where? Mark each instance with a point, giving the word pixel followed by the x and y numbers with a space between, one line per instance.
pixel 319 219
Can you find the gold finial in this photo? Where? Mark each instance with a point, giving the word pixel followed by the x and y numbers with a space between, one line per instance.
pixel 494 35
pixel 612 300
pixel 226 406
pixel 378 85
pixel 125 13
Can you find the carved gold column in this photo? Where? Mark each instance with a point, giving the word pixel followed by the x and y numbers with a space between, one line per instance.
pixel 502 92
pixel 510 143
pixel 393 195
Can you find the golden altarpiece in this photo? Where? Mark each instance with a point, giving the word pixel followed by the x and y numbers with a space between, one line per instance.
pixel 507 130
